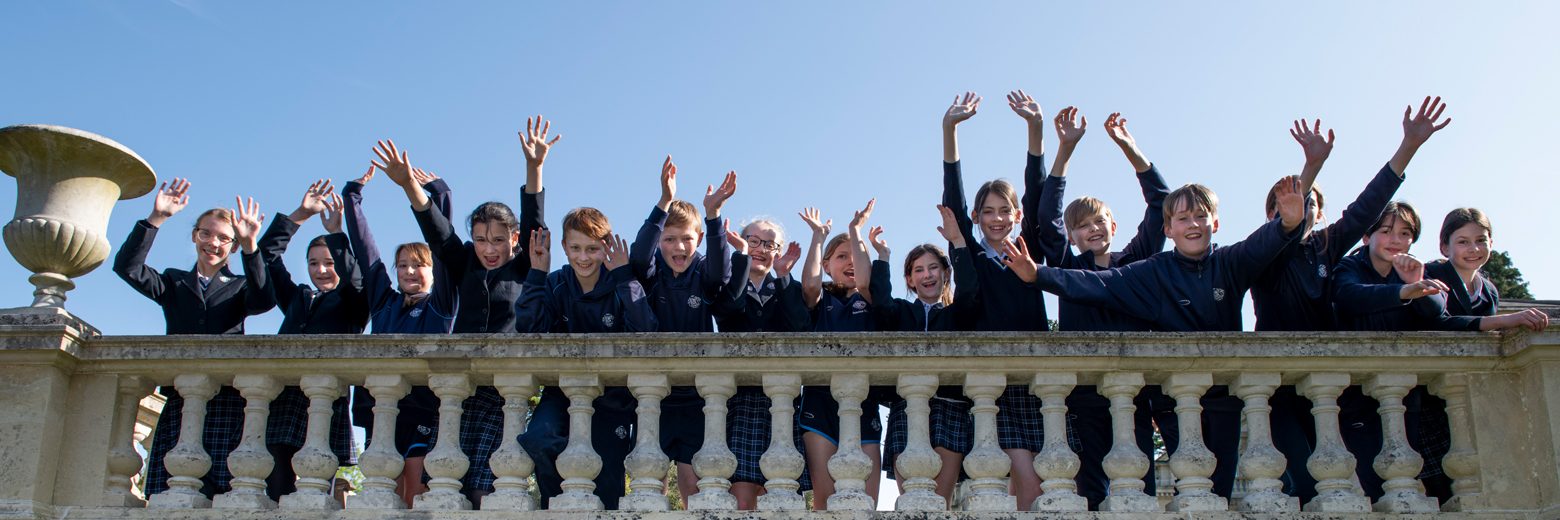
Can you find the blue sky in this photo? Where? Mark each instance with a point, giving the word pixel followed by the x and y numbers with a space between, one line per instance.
pixel 824 104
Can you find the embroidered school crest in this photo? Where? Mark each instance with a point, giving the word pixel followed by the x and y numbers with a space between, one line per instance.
pixel 607 320
pixel 621 432
pixel 1218 294
pixel 415 312
pixel 860 305
pixel 695 301
pixel 1321 271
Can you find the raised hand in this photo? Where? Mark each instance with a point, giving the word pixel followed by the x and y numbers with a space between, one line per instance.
pixel 541 249
pixel 395 163
pixel 1025 107
pixel 246 223
pixel 783 265
pixel 963 108
pixel 1291 203
pixel 950 227
pixel 331 218
pixel 736 241
pixel 1017 258
pixel 1316 147
pixel 1070 126
pixel 715 198
pixel 534 142
pixel 1116 128
pixel 170 199
pixel 1421 126
pixel 814 220
pixel 422 178
pixel 367 176
pixel 617 251
pixel 314 201
pixel 1410 269
pixel 668 183
pixel 875 235
pixel 860 217
pixel 1422 288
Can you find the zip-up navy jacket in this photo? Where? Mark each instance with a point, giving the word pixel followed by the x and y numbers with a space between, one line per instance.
pixel 1175 293
pixel 388 313
pixel 1003 302
pixel 912 315
pixel 343 310
pixel 773 306
pixel 554 303
pixel 1046 228
pixel 684 302
pixel 1295 292
pixel 851 314
pixel 220 309
pixel 1459 302
pixel 1366 300
pixel 487 297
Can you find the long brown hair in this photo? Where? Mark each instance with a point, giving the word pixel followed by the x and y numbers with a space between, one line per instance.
pixel 942 258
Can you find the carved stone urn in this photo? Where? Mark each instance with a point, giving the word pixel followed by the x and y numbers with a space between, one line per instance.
pixel 66 183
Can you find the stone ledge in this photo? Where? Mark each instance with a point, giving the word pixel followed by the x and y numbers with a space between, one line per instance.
pixel 109 513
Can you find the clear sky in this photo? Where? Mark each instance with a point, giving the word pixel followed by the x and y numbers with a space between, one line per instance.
pixel 824 104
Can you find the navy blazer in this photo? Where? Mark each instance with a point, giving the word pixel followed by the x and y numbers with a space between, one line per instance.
pixel 306 310
pixel 220 309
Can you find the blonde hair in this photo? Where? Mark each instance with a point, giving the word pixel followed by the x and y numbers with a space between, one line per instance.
pixel 418 251
pixel 1081 209
pixel 682 213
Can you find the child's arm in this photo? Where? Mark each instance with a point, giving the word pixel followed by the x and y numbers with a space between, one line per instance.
pixel 1364 210
pixel 717 258
pixel 792 299
pixel 858 251
pixel 340 249
pixel 1150 237
pixel 1123 289
pixel 641 255
pixel 637 315
pixel 436 228
pixel 273 244
pixel 534 311
pixel 1355 295
pixel 1049 230
pixel 533 198
pixel 437 190
pixel 953 179
pixel 376 283
pixel 966 285
pixel 259 296
pixel 730 297
pixel 1116 128
pixel 1247 259
pixel 812 270
pixel 1316 149
pixel 130 262
pixel 1417 130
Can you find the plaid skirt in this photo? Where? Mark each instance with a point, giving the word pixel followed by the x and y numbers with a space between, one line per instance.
pixel 220 436
pixel 748 422
pixel 1019 422
pixel 950 424
pixel 481 430
pixel 289 424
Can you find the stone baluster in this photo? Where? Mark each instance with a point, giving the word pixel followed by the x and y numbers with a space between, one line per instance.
pixel 1056 464
pixel 919 463
pixel 316 464
pixel 123 461
pixel 1192 462
pixel 1461 463
pixel 380 463
pixel 188 461
pixel 446 463
pixel 714 462
pixel 1330 463
pixel 1261 465
pixel 251 462
pixel 511 464
pixel 647 464
pixel 1398 463
pixel 579 464
pixel 850 466
pixel 1125 464
pixel 987 465
pixel 781 463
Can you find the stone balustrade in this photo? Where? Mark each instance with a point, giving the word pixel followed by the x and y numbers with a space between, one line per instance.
pixel 69 399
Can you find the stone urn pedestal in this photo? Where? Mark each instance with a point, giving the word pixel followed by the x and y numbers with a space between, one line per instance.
pixel 67 182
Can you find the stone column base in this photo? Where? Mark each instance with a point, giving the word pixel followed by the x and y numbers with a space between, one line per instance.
pixel 1407 503
pixel 856 501
pixel 642 502
pixel 512 502
pixel 171 500
pixel 1060 502
pixel 776 501
pixel 443 502
pixel 1134 504
pixel 310 502
pixel 1273 503
pixel 1338 504
pixel 1208 502
pixel 380 501
pixel 920 503
pixel 989 503
pixel 243 501
pixel 712 501
pixel 575 502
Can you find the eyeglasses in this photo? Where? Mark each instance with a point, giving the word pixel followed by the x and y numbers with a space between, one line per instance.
pixel 205 235
pixel 759 243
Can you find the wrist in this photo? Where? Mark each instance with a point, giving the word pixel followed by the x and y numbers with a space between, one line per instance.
pixel 300 215
pixel 157 219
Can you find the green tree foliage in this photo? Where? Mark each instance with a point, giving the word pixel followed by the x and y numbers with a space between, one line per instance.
pixel 1506 277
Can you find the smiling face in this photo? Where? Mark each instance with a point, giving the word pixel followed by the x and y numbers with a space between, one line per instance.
pixel 1469 247
pixel 927 275
pixel 678 244
pixel 413 271
pixel 213 238
pixel 322 269
pixel 996 216
pixel 586 254
pixel 1393 236
pixel 494 243
pixel 838 263
pixel 1093 233
pixel 763 240
pixel 1191 229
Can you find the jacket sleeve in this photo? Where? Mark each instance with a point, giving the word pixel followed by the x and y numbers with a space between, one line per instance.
pixel 272 246
pixel 446 245
pixel 1246 260
pixel 717 256
pixel 797 315
pixel 733 294
pixel 953 198
pixel 1434 312
pixel 439 195
pixel 376 280
pixel 642 253
pixel 346 265
pixel 259 295
pixel 532 218
pixel 1353 295
pixel 535 311
pixel 637 315
pixel 1361 213
pixel 130 263
pixel 1129 290
pixel 886 308
pixel 1044 219
pixel 1150 238
pixel 966 287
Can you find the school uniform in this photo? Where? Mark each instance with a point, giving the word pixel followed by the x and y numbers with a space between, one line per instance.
pixel 1180 294
pixel 773 305
pixel 1088 411
pixel 342 310
pixel 193 304
pixel 819 413
pixel 683 303
pixel 1003 303
pixel 1368 301
pixel 556 303
pixel 417 420
pixel 951 426
pixel 1482 301
pixel 486 302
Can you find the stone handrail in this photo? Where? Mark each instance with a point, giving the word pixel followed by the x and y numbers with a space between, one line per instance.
pixel 68 399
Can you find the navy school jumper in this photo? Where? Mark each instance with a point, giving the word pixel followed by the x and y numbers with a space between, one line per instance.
pixel 556 303
pixel 1366 300
pixel 219 309
pixel 1460 302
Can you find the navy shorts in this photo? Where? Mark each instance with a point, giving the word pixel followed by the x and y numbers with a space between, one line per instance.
pixel 682 424
pixel 820 414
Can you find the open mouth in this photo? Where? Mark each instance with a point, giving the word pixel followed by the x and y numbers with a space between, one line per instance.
pixel 1193 236
pixel 490 261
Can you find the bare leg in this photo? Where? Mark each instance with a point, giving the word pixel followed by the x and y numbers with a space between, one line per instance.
pixel 410 483
pixel 747 494
pixel 819 449
pixel 687 482
pixel 874 451
pixel 1025 484
pixel 948 476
